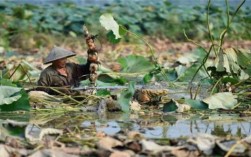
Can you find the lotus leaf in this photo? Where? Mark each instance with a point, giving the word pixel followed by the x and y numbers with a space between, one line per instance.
pixel 7 94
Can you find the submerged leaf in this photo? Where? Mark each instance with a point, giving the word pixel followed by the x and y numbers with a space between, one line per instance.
pixel 224 100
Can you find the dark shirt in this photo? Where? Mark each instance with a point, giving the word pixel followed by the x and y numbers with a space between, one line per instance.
pixel 50 77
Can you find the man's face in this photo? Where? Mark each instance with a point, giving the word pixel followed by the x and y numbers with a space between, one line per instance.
pixel 60 63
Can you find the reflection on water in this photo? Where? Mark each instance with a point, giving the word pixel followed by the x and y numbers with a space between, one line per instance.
pixel 176 126
pixel 173 125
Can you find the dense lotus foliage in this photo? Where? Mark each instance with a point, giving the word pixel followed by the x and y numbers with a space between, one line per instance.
pixel 152 18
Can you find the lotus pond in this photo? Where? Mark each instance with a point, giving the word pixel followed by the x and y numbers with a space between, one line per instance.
pixel 181 91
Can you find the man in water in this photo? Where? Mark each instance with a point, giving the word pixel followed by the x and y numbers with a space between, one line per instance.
pixel 60 73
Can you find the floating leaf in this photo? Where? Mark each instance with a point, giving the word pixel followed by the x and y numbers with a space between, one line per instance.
pixel 196 104
pixel 170 106
pixel 7 94
pixel 175 106
pixel 224 100
pixel 109 23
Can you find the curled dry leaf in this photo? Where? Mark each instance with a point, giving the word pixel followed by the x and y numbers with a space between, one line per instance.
pixel 183 108
pixel 107 143
pixel 112 105
pixel 15 123
pixel 13 142
pixel 135 106
pixel 134 135
pixel 149 95
pixel 204 142
pixel 40 96
pixel 100 134
pixel 173 105
pixel 49 131
pixel 32 133
pixel 224 100
pixel 1 49
pixel 51 152
pixel 235 146
pixel 247 139
pixel 120 154
pixel 183 152
pixel 35 134
pixel 7 151
pixel 134 145
pixel 3 151
pixel 150 146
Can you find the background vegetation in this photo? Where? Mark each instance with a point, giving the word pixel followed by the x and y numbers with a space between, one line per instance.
pixel 26 25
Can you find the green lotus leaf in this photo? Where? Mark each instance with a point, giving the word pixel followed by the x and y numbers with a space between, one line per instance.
pixel 7 94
